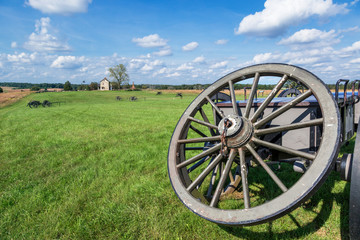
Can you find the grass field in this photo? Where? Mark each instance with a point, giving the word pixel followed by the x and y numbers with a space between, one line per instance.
pixel 95 168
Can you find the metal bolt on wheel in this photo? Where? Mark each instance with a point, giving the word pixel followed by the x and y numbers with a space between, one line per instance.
pixel 216 163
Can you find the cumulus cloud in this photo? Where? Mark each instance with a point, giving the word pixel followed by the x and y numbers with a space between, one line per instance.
pixel 219 65
pixel 60 6
pixel 13 44
pixel 146 68
pixel 166 51
pixel 199 59
pixel 175 74
pixel 150 41
pixel 354 47
pixel 21 57
pixel 311 38
pixel 68 62
pixel 278 15
pixel 356 60
pixel 221 42
pixel 41 40
pixel 184 67
pixel 190 46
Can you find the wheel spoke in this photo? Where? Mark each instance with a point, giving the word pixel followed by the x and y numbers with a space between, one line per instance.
pixel 267 168
pixel 197 131
pixel 252 94
pixel 204 173
pixel 269 98
pixel 284 149
pixel 293 126
pixel 283 109
pixel 203 114
pixel 222 180
pixel 199 156
pixel 244 179
pixel 215 107
pixel 199 163
pixel 196 140
pixel 203 123
pixel 212 181
pixel 194 148
pixel 233 98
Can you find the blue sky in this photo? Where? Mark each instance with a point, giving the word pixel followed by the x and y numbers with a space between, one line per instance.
pixel 175 42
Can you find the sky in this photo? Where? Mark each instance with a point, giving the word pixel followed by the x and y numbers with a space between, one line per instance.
pixel 175 41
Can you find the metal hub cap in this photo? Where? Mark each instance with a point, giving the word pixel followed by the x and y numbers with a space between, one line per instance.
pixel 238 132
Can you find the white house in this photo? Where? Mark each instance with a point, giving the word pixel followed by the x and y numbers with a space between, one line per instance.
pixel 104 85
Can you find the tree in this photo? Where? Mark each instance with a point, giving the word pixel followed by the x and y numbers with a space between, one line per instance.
pixel 114 85
pixel 94 86
pixel 67 86
pixel 35 88
pixel 119 74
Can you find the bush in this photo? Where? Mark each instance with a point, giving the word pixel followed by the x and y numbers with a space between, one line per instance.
pixel 1 90
pixel 35 88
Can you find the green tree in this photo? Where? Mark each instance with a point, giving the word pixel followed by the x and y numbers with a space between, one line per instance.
pixel 67 86
pixel 94 86
pixel 114 85
pixel 119 74
pixel 35 88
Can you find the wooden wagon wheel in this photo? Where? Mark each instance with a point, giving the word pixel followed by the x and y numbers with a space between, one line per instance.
pixel 354 208
pixel 209 148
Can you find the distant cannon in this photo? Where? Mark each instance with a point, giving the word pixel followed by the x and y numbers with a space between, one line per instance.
pixel 133 98
pixel 290 92
pixel 34 104
pixel 46 103
pixel 118 98
pixel 179 95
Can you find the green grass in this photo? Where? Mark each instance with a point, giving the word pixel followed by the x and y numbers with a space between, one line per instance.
pixel 95 168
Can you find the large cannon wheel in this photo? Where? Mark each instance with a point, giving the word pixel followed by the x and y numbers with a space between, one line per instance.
pixel 211 151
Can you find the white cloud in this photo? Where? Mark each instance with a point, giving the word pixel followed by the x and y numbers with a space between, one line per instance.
pixel 146 68
pixel 190 46
pixel 150 41
pixel 262 57
pixel 311 38
pixel 278 15
pixel 354 2
pixel 22 57
pixel 354 47
pixel 221 42
pixel 199 59
pixel 219 65
pixel 60 6
pixel 68 62
pixel 41 40
pixel 356 60
pixel 175 74
pixel 166 51
pixel 13 45
pixel 184 67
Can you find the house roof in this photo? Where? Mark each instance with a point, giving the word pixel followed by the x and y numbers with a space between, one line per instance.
pixel 105 79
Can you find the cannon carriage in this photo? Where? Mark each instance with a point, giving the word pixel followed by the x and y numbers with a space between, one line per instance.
pixel 245 162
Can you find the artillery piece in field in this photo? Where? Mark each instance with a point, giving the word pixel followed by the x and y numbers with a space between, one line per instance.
pixel 225 154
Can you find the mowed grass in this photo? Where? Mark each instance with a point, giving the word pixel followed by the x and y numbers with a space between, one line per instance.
pixel 95 168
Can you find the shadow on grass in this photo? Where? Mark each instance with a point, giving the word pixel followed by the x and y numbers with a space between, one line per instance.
pixel 310 226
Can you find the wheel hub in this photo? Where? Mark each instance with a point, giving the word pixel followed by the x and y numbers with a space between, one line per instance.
pixel 237 130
